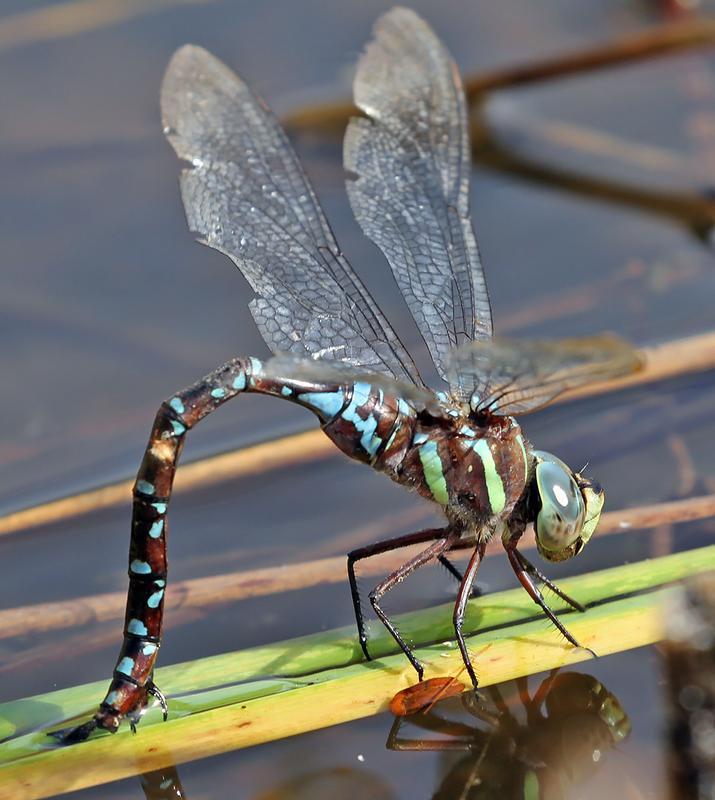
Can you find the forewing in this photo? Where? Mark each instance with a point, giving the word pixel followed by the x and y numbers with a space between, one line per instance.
pixel 512 376
pixel 411 195
pixel 246 195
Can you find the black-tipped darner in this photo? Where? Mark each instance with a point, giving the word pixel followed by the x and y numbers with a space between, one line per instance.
pixel 335 353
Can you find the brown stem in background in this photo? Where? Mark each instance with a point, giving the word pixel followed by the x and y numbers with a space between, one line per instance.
pixel 694 211
pixel 74 17
pixel 300 448
pixel 227 588
pixel 689 208
pixel 658 41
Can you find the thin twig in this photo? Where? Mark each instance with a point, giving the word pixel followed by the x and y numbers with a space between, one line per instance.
pixel 299 448
pixel 658 41
pixel 695 211
pixel 227 588
pixel 686 469
pixel 662 362
pixel 71 18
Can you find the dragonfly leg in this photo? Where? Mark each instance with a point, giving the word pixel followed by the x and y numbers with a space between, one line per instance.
pixel 461 736
pixel 532 570
pixel 449 566
pixel 465 590
pixel 154 691
pixel 376 549
pixel 427 555
pixel 162 784
pixel 527 581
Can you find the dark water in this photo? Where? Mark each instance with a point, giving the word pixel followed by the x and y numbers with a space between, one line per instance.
pixel 107 306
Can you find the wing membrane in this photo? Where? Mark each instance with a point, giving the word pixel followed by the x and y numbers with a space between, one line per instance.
pixel 248 197
pixel 512 376
pixel 411 195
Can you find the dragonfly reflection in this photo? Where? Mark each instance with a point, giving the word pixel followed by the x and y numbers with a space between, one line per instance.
pixel 542 746
pixel 568 726
pixel 336 354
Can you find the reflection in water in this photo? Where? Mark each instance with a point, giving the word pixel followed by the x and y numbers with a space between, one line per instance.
pixel 163 784
pixel 515 747
pixel 331 784
pixel 324 784
pixel 560 740
pixel 689 663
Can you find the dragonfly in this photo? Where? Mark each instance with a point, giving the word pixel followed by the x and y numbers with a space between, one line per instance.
pixel 335 353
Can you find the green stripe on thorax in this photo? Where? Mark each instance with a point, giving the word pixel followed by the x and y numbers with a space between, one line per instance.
pixel 434 474
pixel 520 440
pixel 495 485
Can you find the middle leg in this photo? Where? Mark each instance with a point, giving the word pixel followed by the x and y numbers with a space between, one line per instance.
pixel 420 537
pixel 465 591
pixel 455 573
pixel 449 538
pixel 387 546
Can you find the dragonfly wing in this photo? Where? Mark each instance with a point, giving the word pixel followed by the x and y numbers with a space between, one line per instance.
pixel 411 195
pixel 247 196
pixel 513 376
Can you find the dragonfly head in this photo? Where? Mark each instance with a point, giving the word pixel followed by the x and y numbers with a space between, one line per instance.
pixel 567 508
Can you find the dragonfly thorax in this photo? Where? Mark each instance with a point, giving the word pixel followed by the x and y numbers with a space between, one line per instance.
pixel 477 473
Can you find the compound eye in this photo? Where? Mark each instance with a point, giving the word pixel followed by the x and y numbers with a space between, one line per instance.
pixel 560 519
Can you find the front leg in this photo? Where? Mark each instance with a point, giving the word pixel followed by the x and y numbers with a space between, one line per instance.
pixel 525 571
pixel 375 549
pixel 429 554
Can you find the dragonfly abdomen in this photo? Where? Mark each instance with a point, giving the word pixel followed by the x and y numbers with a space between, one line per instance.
pixel 371 426
pixel 366 422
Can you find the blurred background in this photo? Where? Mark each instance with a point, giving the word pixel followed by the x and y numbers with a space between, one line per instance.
pixel 592 199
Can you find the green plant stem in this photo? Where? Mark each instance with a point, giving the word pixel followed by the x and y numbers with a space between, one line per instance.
pixel 245 698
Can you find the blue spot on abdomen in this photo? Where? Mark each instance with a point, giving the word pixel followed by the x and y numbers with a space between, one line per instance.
pixel 144 487
pixel 327 403
pixel 155 599
pixel 125 666
pixel 366 427
pixel 137 627
pixel 177 405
